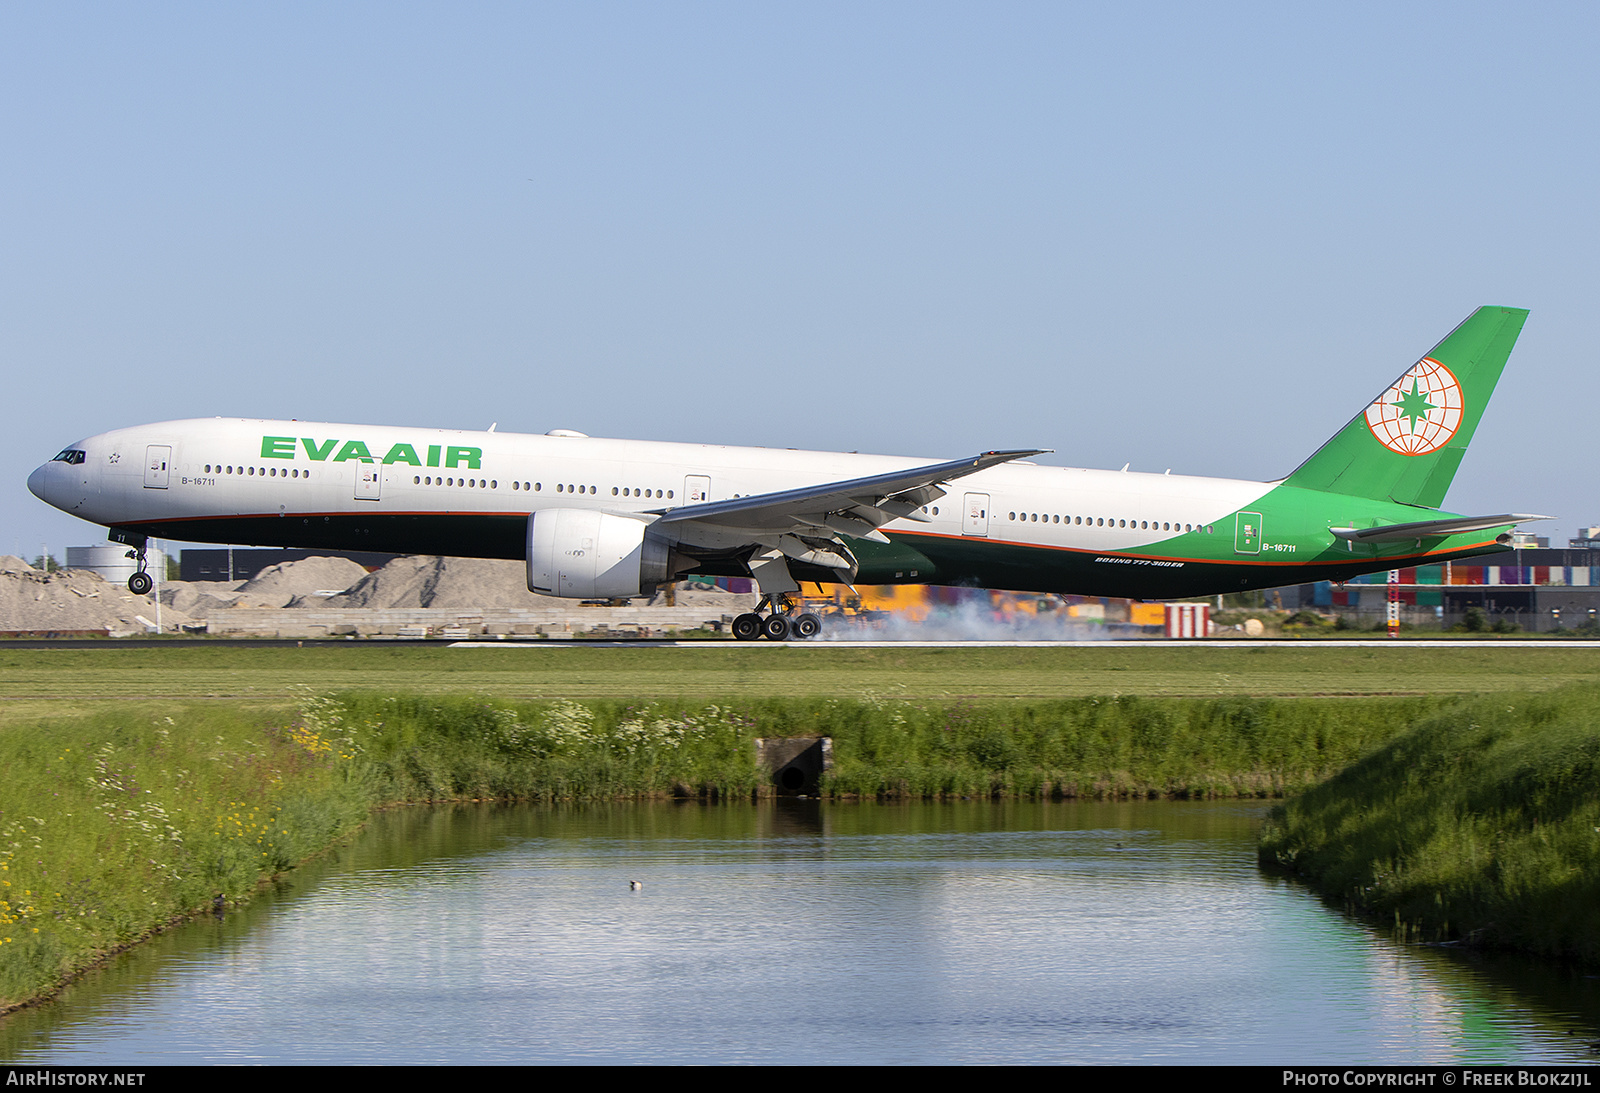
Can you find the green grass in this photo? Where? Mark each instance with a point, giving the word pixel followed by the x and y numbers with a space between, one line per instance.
pixel 112 824
pixel 81 679
pixel 1481 824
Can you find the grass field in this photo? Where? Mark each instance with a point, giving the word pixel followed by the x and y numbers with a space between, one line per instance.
pixel 34 682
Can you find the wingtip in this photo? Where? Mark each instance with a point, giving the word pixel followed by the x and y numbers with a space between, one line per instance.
pixel 1002 454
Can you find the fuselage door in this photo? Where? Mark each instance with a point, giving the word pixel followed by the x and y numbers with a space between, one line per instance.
pixel 696 489
pixel 157 466
pixel 369 482
pixel 975 516
pixel 1247 533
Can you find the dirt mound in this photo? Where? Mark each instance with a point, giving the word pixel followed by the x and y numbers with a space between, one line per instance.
pixel 487 584
pixel 282 584
pixel 76 599
pixel 429 581
pixel 199 599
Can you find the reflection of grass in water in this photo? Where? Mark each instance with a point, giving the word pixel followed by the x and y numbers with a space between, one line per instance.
pixel 84 678
pixel 1481 823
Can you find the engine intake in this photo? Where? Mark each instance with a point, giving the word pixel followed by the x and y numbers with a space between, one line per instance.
pixel 584 554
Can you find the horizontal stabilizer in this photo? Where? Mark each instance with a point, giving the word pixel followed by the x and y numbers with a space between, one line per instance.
pixel 1424 529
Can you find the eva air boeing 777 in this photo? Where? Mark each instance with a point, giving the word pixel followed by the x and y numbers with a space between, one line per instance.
pixel 600 518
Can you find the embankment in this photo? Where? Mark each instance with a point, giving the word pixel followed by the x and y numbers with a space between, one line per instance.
pixel 1479 825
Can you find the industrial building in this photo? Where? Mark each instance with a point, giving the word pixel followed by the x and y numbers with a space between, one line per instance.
pixel 1539 589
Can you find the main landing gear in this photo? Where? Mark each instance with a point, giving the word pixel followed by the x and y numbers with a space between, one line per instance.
pixel 780 625
pixel 140 583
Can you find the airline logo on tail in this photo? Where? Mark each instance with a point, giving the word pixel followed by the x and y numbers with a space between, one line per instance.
pixel 1420 413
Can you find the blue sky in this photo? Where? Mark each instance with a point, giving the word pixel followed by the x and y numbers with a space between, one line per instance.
pixel 1197 236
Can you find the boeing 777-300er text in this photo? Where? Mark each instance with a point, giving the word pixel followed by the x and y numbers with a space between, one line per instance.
pixel 597 518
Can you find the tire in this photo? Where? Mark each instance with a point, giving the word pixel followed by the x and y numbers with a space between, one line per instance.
pixel 140 584
pixel 775 628
pixel 807 626
pixel 747 627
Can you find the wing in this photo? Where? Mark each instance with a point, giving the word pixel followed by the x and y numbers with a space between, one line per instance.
pixel 809 524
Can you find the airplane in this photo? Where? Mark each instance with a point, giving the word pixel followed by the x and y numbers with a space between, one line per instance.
pixel 604 518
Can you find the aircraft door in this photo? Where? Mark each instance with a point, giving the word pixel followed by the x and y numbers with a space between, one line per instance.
pixel 1247 533
pixel 696 489
pixel 157 466
pixel 369 482
pixel 975 516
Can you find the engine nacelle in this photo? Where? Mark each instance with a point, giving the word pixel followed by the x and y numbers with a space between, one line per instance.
pixel 582 554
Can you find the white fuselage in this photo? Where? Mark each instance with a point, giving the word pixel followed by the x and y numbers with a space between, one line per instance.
pixel 231 473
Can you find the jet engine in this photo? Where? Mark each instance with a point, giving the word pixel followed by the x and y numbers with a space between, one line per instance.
pixel 583 554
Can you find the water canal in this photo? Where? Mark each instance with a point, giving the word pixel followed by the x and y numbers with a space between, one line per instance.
pixel 798 932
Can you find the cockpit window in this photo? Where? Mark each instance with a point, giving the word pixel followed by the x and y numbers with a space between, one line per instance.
pixel 70 455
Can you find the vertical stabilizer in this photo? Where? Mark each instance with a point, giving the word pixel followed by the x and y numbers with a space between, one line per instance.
pixel 1407 444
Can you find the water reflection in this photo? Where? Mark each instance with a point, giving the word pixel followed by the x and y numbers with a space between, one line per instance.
pixel 800 932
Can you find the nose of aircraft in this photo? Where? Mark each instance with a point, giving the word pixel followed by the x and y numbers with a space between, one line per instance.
pixel 39 483
pixel 49 483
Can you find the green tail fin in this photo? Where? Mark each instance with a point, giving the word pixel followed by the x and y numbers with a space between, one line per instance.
pixel 1407 444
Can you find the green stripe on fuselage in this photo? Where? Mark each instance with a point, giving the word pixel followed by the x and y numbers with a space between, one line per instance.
pixel 1291 540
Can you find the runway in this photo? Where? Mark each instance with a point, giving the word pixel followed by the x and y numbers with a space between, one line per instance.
pixel 1153 643
pixel 822 643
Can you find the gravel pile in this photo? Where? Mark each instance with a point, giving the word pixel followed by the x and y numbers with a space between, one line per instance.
pixel 288 583
pixel 78 599
pixel 75 599
pixel 488 584
pixel 429 581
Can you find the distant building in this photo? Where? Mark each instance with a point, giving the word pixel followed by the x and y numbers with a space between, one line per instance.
pixel 1539 589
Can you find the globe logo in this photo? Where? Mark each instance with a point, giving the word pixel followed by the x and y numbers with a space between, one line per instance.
pixel 1420 413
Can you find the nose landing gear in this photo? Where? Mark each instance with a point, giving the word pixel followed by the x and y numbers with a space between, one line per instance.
pixel 780 624
pixel 140 583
